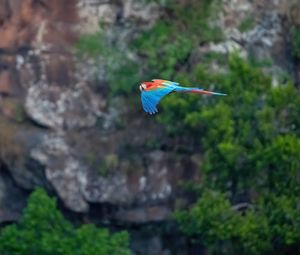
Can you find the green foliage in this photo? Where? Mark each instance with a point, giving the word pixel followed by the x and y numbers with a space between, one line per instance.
pixel 124 77
pixel 211 218
pixel 296 41
pixel 252 232
pixel 44 230
pixel 283 216
pixel 122 72
pixel 268 229
pixel 222 229
pixel 92 44
pixel 109 163
pixel 168 44
pixel 234 131
pixel 195 19
pixel 163 48
pixel 251 145
pixel 281 159
pixel 246 24
pixel 214 57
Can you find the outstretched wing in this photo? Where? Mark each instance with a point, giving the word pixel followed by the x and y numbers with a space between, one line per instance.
pixel 165 82
pixel 150 98
pixel 156 90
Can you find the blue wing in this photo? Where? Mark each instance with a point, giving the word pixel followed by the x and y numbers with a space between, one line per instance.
pixel 151 98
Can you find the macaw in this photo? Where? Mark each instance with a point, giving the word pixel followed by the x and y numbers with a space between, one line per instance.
pixel 152 92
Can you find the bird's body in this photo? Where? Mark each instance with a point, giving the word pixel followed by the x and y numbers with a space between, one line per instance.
pixel 152 92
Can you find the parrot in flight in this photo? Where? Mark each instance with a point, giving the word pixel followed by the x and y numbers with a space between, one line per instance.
pixel 152 92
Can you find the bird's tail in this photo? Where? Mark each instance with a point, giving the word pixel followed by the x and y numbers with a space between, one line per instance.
pixel 205 92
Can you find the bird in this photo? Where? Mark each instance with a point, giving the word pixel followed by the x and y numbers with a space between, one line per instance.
pixel 152 92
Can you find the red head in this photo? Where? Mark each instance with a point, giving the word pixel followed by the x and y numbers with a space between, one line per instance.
pixel 144 85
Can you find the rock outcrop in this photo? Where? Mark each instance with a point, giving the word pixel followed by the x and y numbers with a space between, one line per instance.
pixel 67 129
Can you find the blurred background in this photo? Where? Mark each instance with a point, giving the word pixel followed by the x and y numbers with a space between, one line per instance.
pixel 84 170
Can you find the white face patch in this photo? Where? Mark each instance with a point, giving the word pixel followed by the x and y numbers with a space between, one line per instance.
pixel 143 86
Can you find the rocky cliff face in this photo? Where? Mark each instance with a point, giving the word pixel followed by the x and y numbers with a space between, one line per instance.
pixel 58 129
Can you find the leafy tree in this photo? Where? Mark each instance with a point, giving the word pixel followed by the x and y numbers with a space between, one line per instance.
pixel 283 217
pixel 237 131
pixel 44 230
pixel 251 147
pixel 271 227
pixel 210 219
